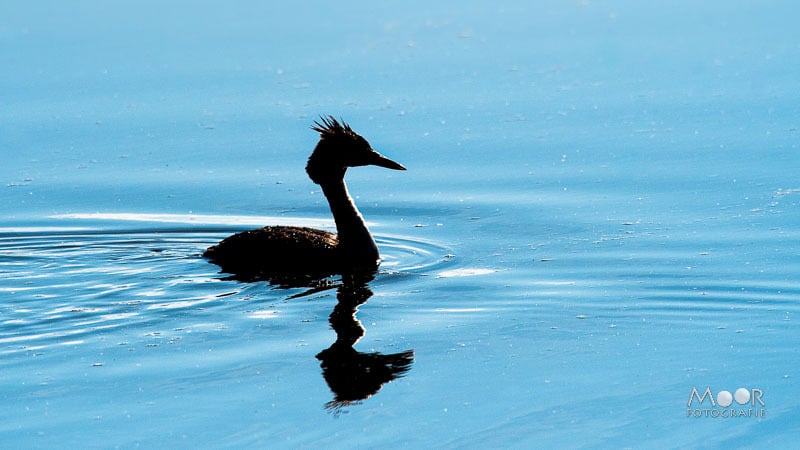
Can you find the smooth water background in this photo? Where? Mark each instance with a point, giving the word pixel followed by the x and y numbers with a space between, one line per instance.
pixel 600 212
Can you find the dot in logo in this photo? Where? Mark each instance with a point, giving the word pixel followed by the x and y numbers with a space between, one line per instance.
pixel 724 399
pixel 741 396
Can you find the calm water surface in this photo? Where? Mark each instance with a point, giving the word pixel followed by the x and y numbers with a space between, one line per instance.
pixel 600 213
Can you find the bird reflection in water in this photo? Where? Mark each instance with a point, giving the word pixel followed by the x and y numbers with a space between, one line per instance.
pixel 351 375
pixel 354 376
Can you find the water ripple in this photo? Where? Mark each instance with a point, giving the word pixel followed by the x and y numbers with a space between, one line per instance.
pixel 76 285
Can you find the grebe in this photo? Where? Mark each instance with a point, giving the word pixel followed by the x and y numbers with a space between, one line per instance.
pixel 306 252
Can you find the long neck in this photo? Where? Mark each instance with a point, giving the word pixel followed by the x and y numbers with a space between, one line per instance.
pixel 355 241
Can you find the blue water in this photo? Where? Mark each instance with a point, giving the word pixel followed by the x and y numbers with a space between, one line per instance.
pixel 600 214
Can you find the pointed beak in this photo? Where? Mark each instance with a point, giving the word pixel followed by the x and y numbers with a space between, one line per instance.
pixel 376 159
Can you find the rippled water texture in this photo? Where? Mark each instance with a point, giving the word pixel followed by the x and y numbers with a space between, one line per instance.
pixel 68 288
pixel 600 214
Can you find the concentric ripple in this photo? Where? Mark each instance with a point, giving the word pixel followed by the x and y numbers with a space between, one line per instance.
pixel 67 286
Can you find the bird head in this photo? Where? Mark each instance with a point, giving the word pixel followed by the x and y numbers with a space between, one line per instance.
pixel 340 147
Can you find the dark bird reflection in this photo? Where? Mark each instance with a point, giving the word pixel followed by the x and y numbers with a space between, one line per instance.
pixel 354 376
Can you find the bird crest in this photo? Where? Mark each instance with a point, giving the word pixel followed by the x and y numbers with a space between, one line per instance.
pixel 329 127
